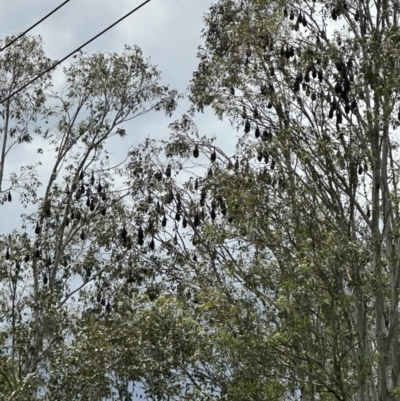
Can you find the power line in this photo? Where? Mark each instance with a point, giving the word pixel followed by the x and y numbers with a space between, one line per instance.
pixel 76 50
pixel 33 26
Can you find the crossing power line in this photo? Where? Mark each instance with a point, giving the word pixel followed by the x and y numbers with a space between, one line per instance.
pixel 34 25
pixel 76 50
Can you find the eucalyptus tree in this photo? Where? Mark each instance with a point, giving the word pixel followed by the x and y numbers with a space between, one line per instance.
pixel 59 270
pixel 300 227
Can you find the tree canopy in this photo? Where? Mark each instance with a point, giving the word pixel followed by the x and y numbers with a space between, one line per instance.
pixel 268 274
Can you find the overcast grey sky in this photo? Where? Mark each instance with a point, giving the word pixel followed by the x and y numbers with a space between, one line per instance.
pixel 168 32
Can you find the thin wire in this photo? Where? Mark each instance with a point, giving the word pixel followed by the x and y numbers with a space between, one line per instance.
pixel 76 50
pixel 33 26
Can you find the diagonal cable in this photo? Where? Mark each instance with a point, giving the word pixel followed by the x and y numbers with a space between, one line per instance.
pixel 76 50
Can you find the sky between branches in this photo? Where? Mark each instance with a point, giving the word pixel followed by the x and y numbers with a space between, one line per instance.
pixel 168 32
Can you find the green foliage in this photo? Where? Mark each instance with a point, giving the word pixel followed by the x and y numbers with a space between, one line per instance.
pixel 268 274
pixel 53 326
pixel 298 229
